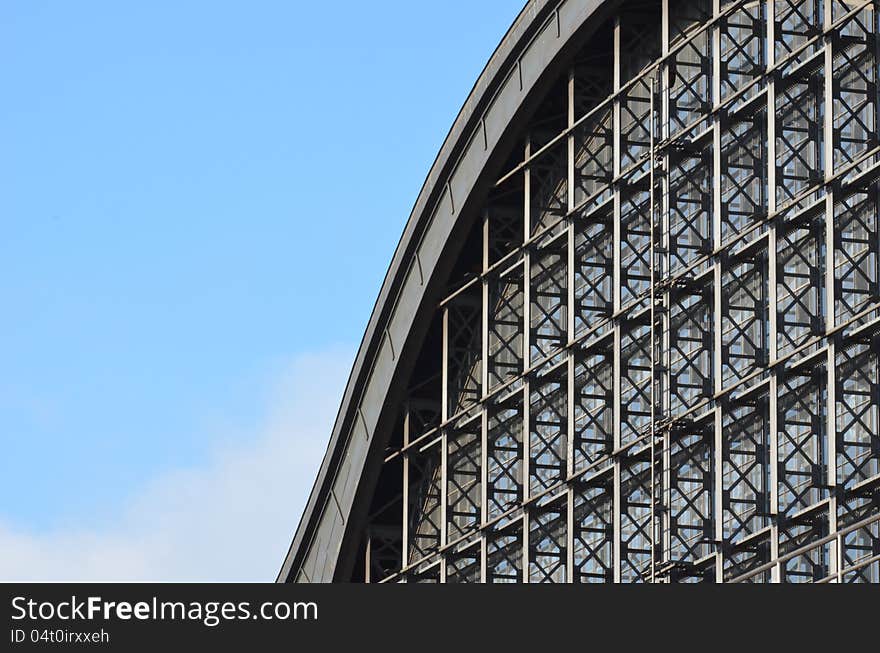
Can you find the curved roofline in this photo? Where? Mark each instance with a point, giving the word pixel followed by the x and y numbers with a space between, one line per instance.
pixel 508 83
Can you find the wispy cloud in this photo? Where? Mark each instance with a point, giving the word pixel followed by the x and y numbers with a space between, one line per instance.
pixel 229 519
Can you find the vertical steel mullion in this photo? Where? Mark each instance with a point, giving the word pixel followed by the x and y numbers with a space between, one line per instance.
pixel 444 438
pixel 651 306
pixel 616 295
pixel 656 349
pixel 570 352
pixel 665 353
pixel 569 518
pixel 773 428
pixel 717 379
pixel 484 408
pixel 718 484
pixel 666 271
pixel 617 459
pixel 831 461
pixel 443 499
pixel 715 225
pixel 570 281
pixel 772 336
pixel 526 357
pixel 830 318
pixel 444 366
pixel 717 362
pixel 444 444
pixel 405 523
pixel 616 167
pixel 651 336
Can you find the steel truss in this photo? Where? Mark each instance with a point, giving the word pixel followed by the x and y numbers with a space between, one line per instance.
pixel 664 362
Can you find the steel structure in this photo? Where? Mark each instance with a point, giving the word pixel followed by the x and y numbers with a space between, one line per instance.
pixel 631 333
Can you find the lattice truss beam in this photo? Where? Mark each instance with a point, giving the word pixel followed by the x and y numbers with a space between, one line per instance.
pixel 660 363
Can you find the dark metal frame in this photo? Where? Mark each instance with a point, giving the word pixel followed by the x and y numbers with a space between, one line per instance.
pixel 655 352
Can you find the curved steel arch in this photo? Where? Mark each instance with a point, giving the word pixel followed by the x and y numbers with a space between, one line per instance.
pixel 527 60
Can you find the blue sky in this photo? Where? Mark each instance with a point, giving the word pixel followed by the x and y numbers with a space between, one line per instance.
pixel 199 201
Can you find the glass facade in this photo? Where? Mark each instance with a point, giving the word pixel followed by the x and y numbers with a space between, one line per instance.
pixel 657 358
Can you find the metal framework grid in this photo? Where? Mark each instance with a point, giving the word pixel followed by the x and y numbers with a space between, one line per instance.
pixel 662 365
